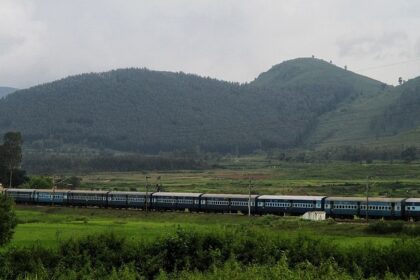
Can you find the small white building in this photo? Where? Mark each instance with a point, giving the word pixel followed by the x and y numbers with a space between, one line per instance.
pixel 315 216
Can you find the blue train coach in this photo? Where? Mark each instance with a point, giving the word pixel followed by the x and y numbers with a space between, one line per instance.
pixel 280 204
pixel 357 206
pixel 51 196
pixel 412 208
pixel 228 202
pixel 22 195
pixel 176 201
pixel 88 198
pixel 120 199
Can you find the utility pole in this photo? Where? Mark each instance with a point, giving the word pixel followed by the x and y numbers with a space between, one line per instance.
pixel 367 199
pixel 158 184
pixel 10 179
pixel 249 196
pixel 147 192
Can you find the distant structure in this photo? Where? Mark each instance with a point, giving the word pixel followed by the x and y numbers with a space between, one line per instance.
pixel 345 67
pixel 400 81
pixel 331 61
pixel 315 216
pixel 313 56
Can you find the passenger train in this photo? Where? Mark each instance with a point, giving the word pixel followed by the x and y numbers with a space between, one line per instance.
pixel 398 208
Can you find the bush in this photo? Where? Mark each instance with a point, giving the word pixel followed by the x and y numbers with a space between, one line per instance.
pixel 223 254
pixel 388 227
pixel 8 220
pixel 383 227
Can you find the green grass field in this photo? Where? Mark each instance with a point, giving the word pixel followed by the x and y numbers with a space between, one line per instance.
pixel 48 225
pixel 273 177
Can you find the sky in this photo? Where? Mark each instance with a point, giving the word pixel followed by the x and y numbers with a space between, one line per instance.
pixel 234 40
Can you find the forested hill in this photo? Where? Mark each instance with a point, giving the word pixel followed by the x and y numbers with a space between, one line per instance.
pixel 6 90
pixel 150 111
pixel 404 113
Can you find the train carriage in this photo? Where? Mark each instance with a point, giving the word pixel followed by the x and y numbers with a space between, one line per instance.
pixel 342 206
pixel 88 198
pixel 228 202
pixel 280 204
pixel 383 207
pixel 127 199
pixel 356 206
pixel 22 195
pixel 51 196
pixel 412 208
pixel 176 201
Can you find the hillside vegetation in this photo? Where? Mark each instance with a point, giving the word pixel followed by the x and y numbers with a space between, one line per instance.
pixel 138 110
pixel 402 115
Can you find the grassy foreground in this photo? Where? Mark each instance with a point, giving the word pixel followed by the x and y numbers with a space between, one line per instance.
pixel 48 226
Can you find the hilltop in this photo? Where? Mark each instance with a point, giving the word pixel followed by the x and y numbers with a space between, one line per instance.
pixel 6 90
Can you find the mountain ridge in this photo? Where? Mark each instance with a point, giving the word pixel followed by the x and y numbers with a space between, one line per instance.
pixel 291 105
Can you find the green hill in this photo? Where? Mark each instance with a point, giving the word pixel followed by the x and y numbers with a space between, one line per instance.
pixel 403 114
pixel 390 117
pixel 298 102
pixel 322 92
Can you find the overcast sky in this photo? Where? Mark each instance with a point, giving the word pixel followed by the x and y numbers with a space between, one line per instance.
pixel 43 40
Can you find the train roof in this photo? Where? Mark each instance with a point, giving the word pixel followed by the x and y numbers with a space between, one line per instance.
pixel 177 194
pixel 413 200
pixel 241 196
pixel 292 197
pixel 51 190
pixel 19 190
pixel 128 193
pixel 88 191
pixel 363 199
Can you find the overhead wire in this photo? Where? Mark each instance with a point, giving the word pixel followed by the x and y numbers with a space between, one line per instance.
pixel 389 65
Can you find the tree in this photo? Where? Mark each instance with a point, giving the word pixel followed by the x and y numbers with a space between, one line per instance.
pixel 39 182
pixel 409 154
pixel 74 182
pixel 8 220
pixel 11 152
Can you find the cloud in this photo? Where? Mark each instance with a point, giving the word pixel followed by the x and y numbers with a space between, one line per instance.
pixel 228 39
pixel 378 46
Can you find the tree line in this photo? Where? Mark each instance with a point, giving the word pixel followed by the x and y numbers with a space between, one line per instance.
pixel 362 153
